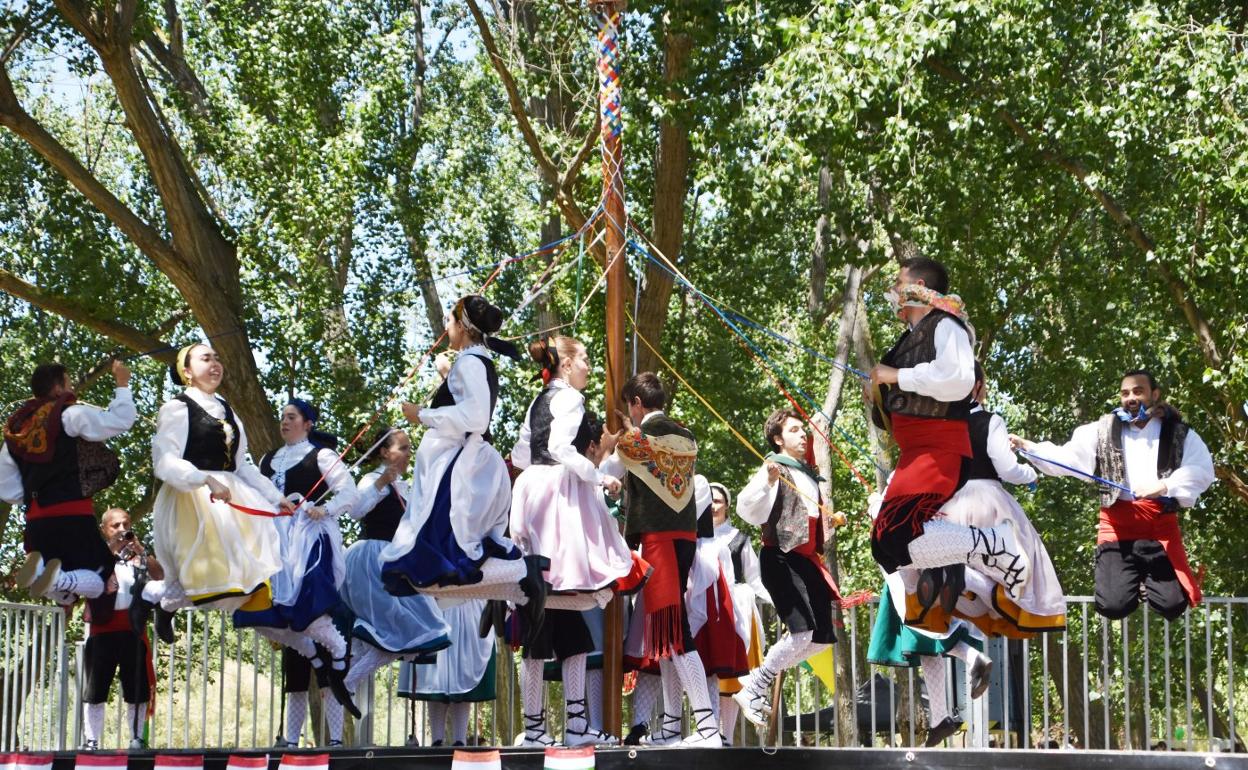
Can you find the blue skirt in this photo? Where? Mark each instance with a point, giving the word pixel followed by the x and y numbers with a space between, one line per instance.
pixel 436 558
pixel 400 624
pixel 318 595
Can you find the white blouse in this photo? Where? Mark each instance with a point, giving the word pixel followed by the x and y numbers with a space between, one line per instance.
pixel 169 443
pixel 337 478
pixel 368 496
pixel 567 408
pixel 950 375
pixel 468 384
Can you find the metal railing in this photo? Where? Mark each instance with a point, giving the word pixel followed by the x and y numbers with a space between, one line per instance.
pixel 1142 683
pixel 34 690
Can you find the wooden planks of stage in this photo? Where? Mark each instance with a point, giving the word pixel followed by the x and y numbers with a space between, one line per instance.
pixel 734 758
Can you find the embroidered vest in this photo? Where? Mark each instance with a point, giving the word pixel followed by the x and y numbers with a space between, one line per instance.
pixel 918 346
pixel 787 526
pixel 645 511
pixel 1109 461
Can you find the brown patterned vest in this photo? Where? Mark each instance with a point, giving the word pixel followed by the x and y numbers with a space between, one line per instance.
pixel 918 346
pixel 1109 462
pixel 787 526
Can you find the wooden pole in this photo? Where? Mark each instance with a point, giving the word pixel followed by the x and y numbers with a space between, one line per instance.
pixel 615 220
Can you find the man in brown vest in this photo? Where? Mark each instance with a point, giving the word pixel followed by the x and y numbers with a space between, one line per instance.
pixel 1144 446
pixel 783 499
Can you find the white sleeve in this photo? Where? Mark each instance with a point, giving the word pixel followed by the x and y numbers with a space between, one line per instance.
pixel 1193 477
pixel 567 407
pixel 1003 458
pixel 471 411
pixel 753 572
pixel 91 424
pixel 950 376
pixel 521 454
pixel 11 490
pixel 1078 453
pixel 343 497
pixel 246 470
pixel 612 466
pixel 168 445
pixel 368 496
pixel 755 502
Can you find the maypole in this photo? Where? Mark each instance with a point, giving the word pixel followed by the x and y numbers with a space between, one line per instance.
pixel 611 115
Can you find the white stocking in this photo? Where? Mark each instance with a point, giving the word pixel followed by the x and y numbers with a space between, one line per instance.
pixel 574 690
pixel 323 631
pixel 532 688
pixel 593 693
pixel 437 720
pixel 333 712
pixel 788 651
pixel 82 582
pixel 92 721
pixel 296 713
pixel 692 677
pixel 459 722
pixel 728 710
pixel 284 636
pixel 366 659
pixel 645 696
pixel 966 653
pixel 175 597
pixel 712 692
pixel 136 716
pixel 154 591
pixel 934 678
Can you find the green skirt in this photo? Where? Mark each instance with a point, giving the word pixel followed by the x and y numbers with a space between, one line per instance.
pixel 894 644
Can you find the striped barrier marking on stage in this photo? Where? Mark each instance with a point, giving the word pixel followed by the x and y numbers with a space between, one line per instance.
pixel 178 762
pixel 92 761
pixel 25 762
pixel 580 758
pixel 304 762
pixel 242 762
pixel 476 760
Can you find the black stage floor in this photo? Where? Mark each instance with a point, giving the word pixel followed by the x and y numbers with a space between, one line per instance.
pixel 731 759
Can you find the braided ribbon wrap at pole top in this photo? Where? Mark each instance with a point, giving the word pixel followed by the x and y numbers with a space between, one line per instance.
pixel 609 98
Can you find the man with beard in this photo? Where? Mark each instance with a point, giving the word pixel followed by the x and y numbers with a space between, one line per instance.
pixel 1143 446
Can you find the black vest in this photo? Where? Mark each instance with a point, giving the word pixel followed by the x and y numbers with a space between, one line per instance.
pixel 443 396
pixel 706 523
pixel 56 481
pixel 979 464
pixel 735 547
pixel 540 419
pixel 918 346
pixel 300 477
pixel 207 447
pixel 383 521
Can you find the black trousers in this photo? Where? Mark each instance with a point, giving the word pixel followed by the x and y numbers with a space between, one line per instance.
pixel 109 652
pixel 564 633
pixel 1123 567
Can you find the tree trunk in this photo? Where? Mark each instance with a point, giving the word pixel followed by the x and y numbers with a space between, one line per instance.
pixel 671 186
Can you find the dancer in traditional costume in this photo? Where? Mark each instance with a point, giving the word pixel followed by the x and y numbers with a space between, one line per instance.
pixel 305 591
pixel 118 643
pixel 216 554
pixel 558 512
pixel 1146 447
pixel 53 461
pixel 462 674
pixel 655 458
pixel 387 627
pixel 453 533
pixel 921 393
pixel 717 633
pixel 783 498
pixel 747 591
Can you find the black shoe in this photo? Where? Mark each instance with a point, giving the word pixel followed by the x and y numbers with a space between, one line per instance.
pixel 436 745
pixel 928 589
pixel 493 619
pixel 164 625
pixel 338 686
pixel 981 673
pixel 534 586
pixel 936 734
pixel 954 585
pixel 140 608
pixel 636 733
pixel 334 744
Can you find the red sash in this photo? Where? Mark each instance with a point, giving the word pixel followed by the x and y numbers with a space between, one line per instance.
pixel 1145 520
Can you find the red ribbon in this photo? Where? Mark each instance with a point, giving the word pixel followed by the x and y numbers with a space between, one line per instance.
pixel 258 512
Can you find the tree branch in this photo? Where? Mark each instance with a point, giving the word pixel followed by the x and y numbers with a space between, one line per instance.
pixel 72 309
pixel 103 366
pixel 17 120
pixel 1043 145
